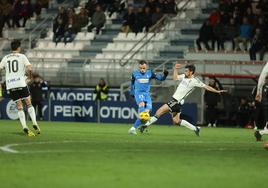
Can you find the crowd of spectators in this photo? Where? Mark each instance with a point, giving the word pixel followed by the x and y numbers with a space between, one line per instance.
pixel 67 23
pixel 142 18
pixel 238 21
pixel 13 11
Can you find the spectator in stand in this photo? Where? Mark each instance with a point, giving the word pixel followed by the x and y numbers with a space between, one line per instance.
pixel 261 25
pixel 147 19
pixel 263 5
pixel 257 44
pixel 214 17
pixel 237 15
pixel 91 7
pixel 139 21
pixel 225 6
pixel 39 5
pixel 231 31
pixel 224 17
pixel 106 4
pixel 16 9
pixel 6 11
pixel 116 6
pixel 243 5
pixel 71 28
pixel 250 16
pixel 219 35
pixel 157 15
pixel 170 7
pixel 82 19
pixel 26 11
pixel 98 20
pixel 152 4
pixel 265 47
pixel 129 20
pixel 245 34
pixel 59 25
pixel 205 35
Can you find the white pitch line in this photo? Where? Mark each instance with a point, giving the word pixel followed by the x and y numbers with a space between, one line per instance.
pixel 8 148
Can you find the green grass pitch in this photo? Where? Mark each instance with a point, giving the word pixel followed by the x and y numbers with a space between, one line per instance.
pixel 104 155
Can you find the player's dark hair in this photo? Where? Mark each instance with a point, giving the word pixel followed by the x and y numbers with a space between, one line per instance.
pixel 15 44
pixel 142 62
pixel 191 68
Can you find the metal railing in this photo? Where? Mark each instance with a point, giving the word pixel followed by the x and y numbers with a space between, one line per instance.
pixel 41 26
pixel 159 26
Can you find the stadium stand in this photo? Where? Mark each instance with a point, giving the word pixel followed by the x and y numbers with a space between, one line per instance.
pixel 94 55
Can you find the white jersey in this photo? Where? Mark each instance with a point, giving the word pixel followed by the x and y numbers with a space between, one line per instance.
pixel 262 78
pixel 15 66
pixel 186 86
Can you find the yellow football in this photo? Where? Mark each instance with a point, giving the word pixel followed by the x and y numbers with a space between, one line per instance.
pixel 144 116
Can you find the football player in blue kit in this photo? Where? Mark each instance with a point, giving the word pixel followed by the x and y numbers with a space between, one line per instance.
pixel 140 89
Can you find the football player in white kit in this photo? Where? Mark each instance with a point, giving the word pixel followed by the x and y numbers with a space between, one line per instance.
pixel 259 97
pixel 187 84
pixel 17 66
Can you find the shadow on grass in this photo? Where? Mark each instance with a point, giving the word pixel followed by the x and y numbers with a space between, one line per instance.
pixel 18 133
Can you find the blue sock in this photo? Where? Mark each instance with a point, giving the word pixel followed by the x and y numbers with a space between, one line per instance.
pixel 137 123
pixel 141 109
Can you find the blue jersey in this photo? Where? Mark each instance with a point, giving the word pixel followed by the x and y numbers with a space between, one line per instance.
pixel 140 87
pixel 140 82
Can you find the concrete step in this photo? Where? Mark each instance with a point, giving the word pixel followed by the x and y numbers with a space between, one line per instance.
pixel 182 42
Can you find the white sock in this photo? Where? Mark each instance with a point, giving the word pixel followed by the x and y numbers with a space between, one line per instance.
pixel 31 112
pixel 22 119
pixel 265 131
pixel 151 121
pixel 188 125
pixel 132 128
pixel 266 126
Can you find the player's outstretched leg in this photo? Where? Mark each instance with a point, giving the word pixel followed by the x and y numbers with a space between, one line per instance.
pixel 152 120
pixel 258 134
pixel 190 126
pixel 162 110
pixel 137 123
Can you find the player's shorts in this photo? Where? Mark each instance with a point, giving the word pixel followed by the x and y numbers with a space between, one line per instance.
pixel 174 106
pixel 18 93
pixel 146 98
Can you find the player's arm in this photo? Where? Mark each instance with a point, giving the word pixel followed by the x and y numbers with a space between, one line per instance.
pixel 199 83
pixel 261 82
pixel 29 69
pixel 160 77
pixel 175 71
pixel 209 88
pixel 131 88
pixel 2 64
pixel 29 72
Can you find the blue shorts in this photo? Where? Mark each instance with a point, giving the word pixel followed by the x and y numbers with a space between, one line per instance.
pixel 144 97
